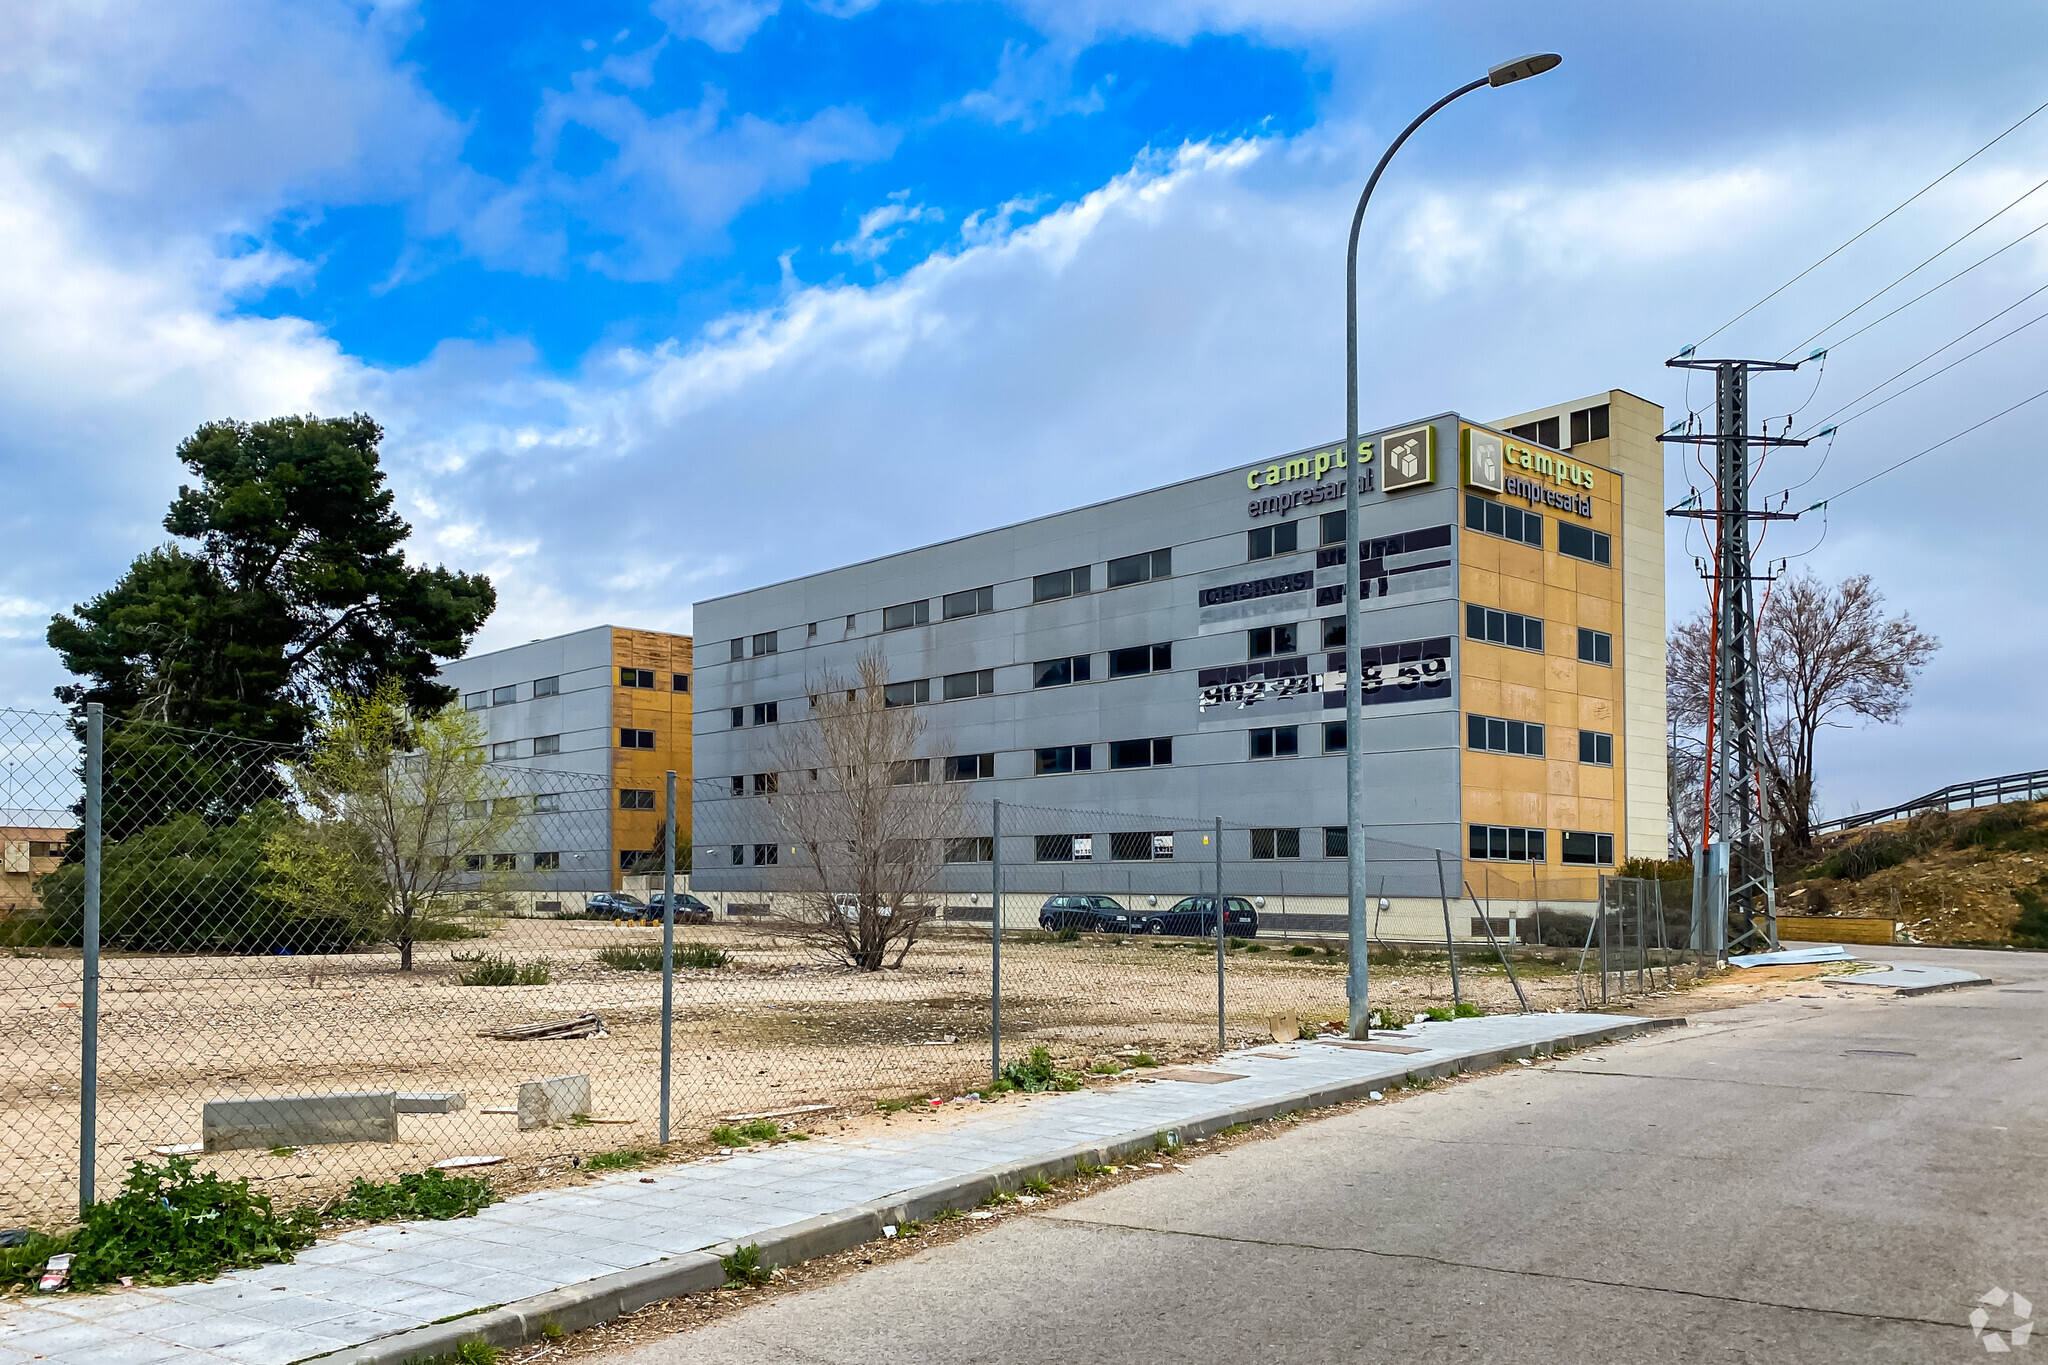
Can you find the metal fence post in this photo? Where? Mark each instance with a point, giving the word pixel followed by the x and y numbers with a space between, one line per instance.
pixel 1602 910
pixel 668 949
pixel 1450 947
pixel 89 1041
pixel 1222 1040
pixel 995 944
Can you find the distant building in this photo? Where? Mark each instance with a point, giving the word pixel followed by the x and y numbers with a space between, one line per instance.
pixel 30 845
pixel 1178 651
pixel 610 706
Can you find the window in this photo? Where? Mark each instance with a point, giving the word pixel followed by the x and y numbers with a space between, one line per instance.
pixel 1336 841
pixel 1543 432
pixel 544 745
pixel 473 862
pixel 1332 528
pixel 1495 519
pixel 547 687
pixel 1589 424
pixel 968 767
pixel 764 854
pixel 504 749
pixel 1509 628
pixel 1129 663
pixel 548 803
pixel 1066 583
pixel 1066 758
pixel 1591 849
pixel 811 633
pixel 739 650
pixel 504 862
pixel 973 602
pixel 636 798
pixel 739 785
pixel 739 855
pixel 764 643
pixel 46 848
pixel 1334 736
pixel 739 716
pixel 765 784
pixel 766 712
pixel 679 682
pixel 1139 848
pixel 1596 748
pixel 1276 741
pixel 1141 753
pixel 1063 848
pixel 1263 542
pixel 1271 640
pixel 1498 736
pixel 1582 543
pixel 1140 568
pixel 971 850
pixel 636 677
pixel 980 683
pixel 1276 843
pixel 547 862
pixel 907 614
pixel 1333 632
pixel 636 739
pixel 1596 647
pixel 907 693
pixel 504 696
pixel 475 701
pixel 910 770
pixel 1496 843
pixel 1060 672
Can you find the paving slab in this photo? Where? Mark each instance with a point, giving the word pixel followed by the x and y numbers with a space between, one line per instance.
pixel 377 1296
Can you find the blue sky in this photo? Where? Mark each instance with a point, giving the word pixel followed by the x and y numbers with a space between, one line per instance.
pixel 658 301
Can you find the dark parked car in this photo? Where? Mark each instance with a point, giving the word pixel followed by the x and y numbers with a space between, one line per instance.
pixel 689 910
pixel 615 905
pixel 1196 915
pixel 1092 914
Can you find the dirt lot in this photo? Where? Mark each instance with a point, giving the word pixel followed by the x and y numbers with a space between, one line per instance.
pixel 775 1030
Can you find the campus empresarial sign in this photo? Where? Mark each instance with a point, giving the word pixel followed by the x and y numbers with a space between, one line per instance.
pixel 1493 464
pixel 1410 458
pixel 1308 470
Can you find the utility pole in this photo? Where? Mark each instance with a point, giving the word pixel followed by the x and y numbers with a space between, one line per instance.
pixel 1738 814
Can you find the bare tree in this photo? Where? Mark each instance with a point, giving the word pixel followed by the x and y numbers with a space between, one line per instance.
pixel 866 828
pixel 1825 654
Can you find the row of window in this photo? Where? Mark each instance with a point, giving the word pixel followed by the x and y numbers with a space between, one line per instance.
pixel 540 747
pixel 1517 631
pixel 1587 424
pixel 1494 735
pixel 1514 844
pixel 644 678
pixel 505 696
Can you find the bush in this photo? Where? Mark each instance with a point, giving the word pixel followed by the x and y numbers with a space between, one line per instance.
pixel 744 1266
pixel 618 1161
pixel 1037 1072
pixel 1562 929
pixel 624 959
pixel 487 969
pixel 1301 950
pixel 429 1194
pixel 702 957
pixel 1068 934
pixel 170 1225
pixel 2030 930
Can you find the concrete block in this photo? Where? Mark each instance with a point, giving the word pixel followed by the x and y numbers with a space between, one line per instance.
pixel 553 1100
pixel 299 1120
pixel 429 1101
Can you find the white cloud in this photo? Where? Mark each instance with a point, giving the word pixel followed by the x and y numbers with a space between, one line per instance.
pixel 882 226
pixel 721 25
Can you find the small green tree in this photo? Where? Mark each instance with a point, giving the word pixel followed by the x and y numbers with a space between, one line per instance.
pixel 406 820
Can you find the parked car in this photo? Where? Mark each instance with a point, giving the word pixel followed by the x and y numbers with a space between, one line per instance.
pixel 1196 915
pixel 1090 914
pixel 615 905
pixel 689 910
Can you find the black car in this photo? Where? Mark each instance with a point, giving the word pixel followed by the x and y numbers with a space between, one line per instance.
pixel 689 910
pixel 615 905
pixel 1092 914
pixel 1196 916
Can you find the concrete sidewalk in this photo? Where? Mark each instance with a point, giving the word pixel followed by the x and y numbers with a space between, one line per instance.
pixel 581 1255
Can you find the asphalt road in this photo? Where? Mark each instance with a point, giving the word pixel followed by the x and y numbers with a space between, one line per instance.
pixel 1810 1179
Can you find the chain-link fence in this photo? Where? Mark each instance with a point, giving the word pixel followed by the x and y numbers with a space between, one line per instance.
pixel 304 970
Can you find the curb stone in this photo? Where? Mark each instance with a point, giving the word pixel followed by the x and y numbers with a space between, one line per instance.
pixel 591 1302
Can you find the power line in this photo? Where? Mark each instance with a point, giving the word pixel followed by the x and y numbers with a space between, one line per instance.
pixel 1942 371
pixel 1916 270
pixel 1931 449
pixel 1872 228
pixel 1935 352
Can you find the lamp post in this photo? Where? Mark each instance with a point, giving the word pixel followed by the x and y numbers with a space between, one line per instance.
pixel 1354 766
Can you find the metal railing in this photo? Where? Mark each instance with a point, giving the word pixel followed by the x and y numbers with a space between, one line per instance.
pixel 2031 786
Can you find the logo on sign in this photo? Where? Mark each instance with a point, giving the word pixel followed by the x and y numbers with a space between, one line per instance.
pixel 1485 460
pixel 1410 458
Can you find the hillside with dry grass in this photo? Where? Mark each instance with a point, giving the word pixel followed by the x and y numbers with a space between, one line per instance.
pixel 1973 877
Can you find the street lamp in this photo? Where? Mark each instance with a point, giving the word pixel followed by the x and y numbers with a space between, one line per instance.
pixel 1358 925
